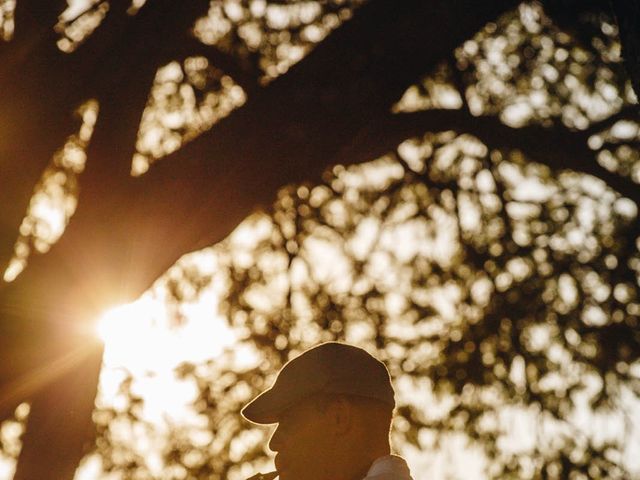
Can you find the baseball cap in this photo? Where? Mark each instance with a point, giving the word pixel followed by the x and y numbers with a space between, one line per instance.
pixel 331 367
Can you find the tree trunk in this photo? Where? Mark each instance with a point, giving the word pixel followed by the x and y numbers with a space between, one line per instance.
pixel 60 428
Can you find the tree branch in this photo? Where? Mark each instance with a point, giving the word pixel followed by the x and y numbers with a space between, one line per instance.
pixel 557 147
pixel 628 16
pixel 192 47
pixel 628 112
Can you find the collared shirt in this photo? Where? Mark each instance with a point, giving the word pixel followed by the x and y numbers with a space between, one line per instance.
pixel 390 467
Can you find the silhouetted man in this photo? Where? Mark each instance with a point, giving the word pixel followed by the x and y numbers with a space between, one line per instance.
pixel 333 405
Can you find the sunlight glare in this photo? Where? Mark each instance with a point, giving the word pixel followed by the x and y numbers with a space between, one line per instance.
pixel 139 336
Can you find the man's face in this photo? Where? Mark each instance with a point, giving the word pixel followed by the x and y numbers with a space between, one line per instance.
pixel 304 443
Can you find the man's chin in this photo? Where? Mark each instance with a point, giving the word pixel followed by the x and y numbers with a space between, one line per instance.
pixel 284 475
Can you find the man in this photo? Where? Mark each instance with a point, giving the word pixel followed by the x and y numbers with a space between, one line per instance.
pixel 333 405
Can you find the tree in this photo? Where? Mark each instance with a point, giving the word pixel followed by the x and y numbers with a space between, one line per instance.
pixel 106 251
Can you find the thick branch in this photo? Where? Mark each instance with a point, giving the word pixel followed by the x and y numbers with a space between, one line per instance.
pixel 628 16
pixel 558 147
pixel 227 63
pixel 628 112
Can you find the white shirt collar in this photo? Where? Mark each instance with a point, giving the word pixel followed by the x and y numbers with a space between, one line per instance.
pixel 389 467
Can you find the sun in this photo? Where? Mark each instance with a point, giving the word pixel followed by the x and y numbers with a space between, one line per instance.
pixel 140 336
pixel 140 339
pixel 129 333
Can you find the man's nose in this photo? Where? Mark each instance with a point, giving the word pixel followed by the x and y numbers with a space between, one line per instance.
pixel 275 442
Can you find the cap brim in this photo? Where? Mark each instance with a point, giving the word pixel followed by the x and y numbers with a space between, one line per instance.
pixel 263 409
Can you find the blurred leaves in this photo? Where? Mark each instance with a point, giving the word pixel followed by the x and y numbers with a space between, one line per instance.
pixel 7 23
pixel 185 100
pixel 11 431
pixel 55 196
pixel 270 36
pixel 78 21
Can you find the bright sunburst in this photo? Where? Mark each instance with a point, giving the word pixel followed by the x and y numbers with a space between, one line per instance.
pixel 139 337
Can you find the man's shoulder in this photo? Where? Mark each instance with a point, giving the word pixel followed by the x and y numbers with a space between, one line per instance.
pixel 389 467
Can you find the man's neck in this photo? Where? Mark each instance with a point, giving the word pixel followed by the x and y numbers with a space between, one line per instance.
pixel 365 463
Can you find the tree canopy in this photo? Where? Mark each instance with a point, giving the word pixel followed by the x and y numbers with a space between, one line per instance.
pixel 487 251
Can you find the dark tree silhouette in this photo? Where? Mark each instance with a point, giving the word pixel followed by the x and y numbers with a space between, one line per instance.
pixel 332 107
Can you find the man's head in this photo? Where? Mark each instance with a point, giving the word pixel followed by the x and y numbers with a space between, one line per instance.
pixel 333 405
